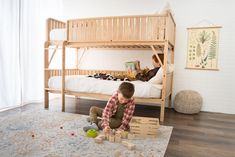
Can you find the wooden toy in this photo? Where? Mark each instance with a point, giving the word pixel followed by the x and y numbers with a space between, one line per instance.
pixel 143 127
pixel 111 138
pixel 118 137
pixel 129 145
pixel 124 134
pixel 117 153
pixel 98 140
pixel 101 136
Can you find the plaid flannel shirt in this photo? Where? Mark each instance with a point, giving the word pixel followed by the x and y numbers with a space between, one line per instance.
pixel 111 108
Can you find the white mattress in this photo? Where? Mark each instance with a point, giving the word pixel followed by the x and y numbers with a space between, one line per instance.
pixel 82 83
pixel 58 34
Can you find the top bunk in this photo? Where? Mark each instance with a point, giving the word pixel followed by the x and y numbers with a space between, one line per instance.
pixel 120 31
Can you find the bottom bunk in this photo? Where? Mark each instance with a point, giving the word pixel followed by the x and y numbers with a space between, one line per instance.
pixel 85 84
pixel 77 83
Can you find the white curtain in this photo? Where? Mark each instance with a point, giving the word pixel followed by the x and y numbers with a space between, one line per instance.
pixel 10 86
pixel 22 36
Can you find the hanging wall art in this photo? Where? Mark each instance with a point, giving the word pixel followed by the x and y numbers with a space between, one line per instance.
pixel 202 48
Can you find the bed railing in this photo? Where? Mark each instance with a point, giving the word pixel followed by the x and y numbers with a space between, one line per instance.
pixel 53 24
pixel 58 72
pixel 125 28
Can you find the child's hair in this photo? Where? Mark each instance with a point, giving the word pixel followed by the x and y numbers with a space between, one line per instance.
pixel 127 89
pixel 161 56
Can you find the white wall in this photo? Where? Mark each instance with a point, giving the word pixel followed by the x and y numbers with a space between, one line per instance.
pixel 216 87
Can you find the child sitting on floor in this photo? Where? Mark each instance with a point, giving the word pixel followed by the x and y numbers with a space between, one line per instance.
pixel 117 112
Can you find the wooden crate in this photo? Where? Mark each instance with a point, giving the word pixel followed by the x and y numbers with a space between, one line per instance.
pixel 144 126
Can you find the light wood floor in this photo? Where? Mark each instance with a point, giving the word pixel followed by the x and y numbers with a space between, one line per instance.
pixel 201 135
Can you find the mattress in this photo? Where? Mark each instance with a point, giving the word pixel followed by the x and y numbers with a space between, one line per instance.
pixel 82 83
pixel 58 34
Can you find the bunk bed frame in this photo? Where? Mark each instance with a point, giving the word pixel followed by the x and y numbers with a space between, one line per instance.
pixel 152 32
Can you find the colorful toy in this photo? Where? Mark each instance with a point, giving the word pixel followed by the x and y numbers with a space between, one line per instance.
pixel 91 133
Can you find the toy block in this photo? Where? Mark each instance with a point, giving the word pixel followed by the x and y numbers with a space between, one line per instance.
pixel 144 127
pixel 101 136
pixel 129 145
pixel 98 140
pixel 118 137
pixel 111 138
pixel 140 155
pixel 145 120
pixel 133 136
pixel 119 132
pixel 117 153
pixel 124 134
pixel 125 143
pixel 107 136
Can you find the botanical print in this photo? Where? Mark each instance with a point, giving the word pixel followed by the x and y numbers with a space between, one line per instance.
pixel 203 48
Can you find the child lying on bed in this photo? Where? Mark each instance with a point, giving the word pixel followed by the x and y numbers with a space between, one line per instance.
pixel 117 112
pixel 146 75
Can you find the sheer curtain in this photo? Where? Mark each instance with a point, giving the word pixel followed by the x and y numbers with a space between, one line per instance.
pixel 10 86
pixel 22 36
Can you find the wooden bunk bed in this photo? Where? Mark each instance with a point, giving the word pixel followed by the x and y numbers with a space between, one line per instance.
pixel 152 32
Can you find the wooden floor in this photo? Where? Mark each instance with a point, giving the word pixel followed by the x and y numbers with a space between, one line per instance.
pixel 201 135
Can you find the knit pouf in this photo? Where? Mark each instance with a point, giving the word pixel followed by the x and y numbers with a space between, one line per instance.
pixel 188 102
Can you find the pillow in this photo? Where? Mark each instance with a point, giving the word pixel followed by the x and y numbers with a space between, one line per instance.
pixel 157 79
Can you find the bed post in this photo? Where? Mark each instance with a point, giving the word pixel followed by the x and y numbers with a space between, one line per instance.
pixel 172 62
pixel 63 76
pixel 162 108
pixel 172 80
pixel 162 112
pixel 46 74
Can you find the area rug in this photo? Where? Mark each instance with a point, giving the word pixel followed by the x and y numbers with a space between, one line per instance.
pixel 42 133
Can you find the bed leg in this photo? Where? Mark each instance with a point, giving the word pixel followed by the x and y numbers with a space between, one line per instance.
pixel 46 99
pixel 162 111
pixel 169 103
pixel 63 102
pixel 63 76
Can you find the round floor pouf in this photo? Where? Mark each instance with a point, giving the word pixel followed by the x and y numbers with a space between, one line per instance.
pixel 188 102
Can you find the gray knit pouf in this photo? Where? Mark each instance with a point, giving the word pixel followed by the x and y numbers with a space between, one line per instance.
pixel 188 102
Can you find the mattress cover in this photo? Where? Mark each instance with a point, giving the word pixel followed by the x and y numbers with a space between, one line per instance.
pixel 82 83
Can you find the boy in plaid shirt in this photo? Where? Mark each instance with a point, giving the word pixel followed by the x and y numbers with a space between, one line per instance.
pixel 117 112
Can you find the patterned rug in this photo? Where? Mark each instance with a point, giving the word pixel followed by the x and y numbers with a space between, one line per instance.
pixel 42 133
